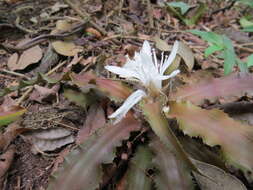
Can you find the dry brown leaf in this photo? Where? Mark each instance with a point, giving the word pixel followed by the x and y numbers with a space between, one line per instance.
pixel 220 179
pixel 49 139
pixel 183 50
pixel 186 53
pixel 28 57
pixel 41 93
pixel 65 47
pixel 5 163
pixel 62 25
pixel 7 137
pixel 12 61
pixel 161 44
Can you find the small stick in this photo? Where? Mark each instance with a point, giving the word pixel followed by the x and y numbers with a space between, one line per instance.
pixel 15 74
pixel 65 125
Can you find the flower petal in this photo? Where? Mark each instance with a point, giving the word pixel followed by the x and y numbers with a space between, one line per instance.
pixel 146 48
pixel 172 56
pixel 122 72
pixel 133 99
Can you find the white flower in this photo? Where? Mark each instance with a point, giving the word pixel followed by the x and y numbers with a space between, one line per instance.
pixel 147 70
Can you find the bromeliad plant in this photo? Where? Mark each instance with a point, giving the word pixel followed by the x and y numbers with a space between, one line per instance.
pixel 213 126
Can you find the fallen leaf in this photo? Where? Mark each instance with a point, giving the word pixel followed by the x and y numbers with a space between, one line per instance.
pixel 186 53
pixel 7 137
pixel 49 59
pixel 12 61
pixel 66 48
pixel 41 93
pixel 49 139
pixel 183 50
pixel 220 179
pixel 62 25
pixel 161 44
pixel 5 163
pixel 28 57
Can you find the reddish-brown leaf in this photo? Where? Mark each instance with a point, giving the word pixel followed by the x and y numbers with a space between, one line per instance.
pixel 216 128
pixel 84 171
pixel 95 120
pixel 234 85
pixel 5 163
pixel 114 89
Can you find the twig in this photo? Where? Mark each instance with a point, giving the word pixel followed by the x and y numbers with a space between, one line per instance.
pixel 16 74
pixel 25 95
pixel 250 50
pixel 55 68
pixel 65 125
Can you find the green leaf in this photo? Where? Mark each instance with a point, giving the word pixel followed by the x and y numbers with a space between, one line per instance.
pixel 78 98
pixel 242 65
pixel 84 170
pixel 246 2
pixel 250 60
pixel 210 37
pixel 216 128
pixel 137 173
pixel 248 29
pixel 211 49
pixel 244 22
pixel 198 14
pixel 229 55
pixel 181 5
pixel 10 114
